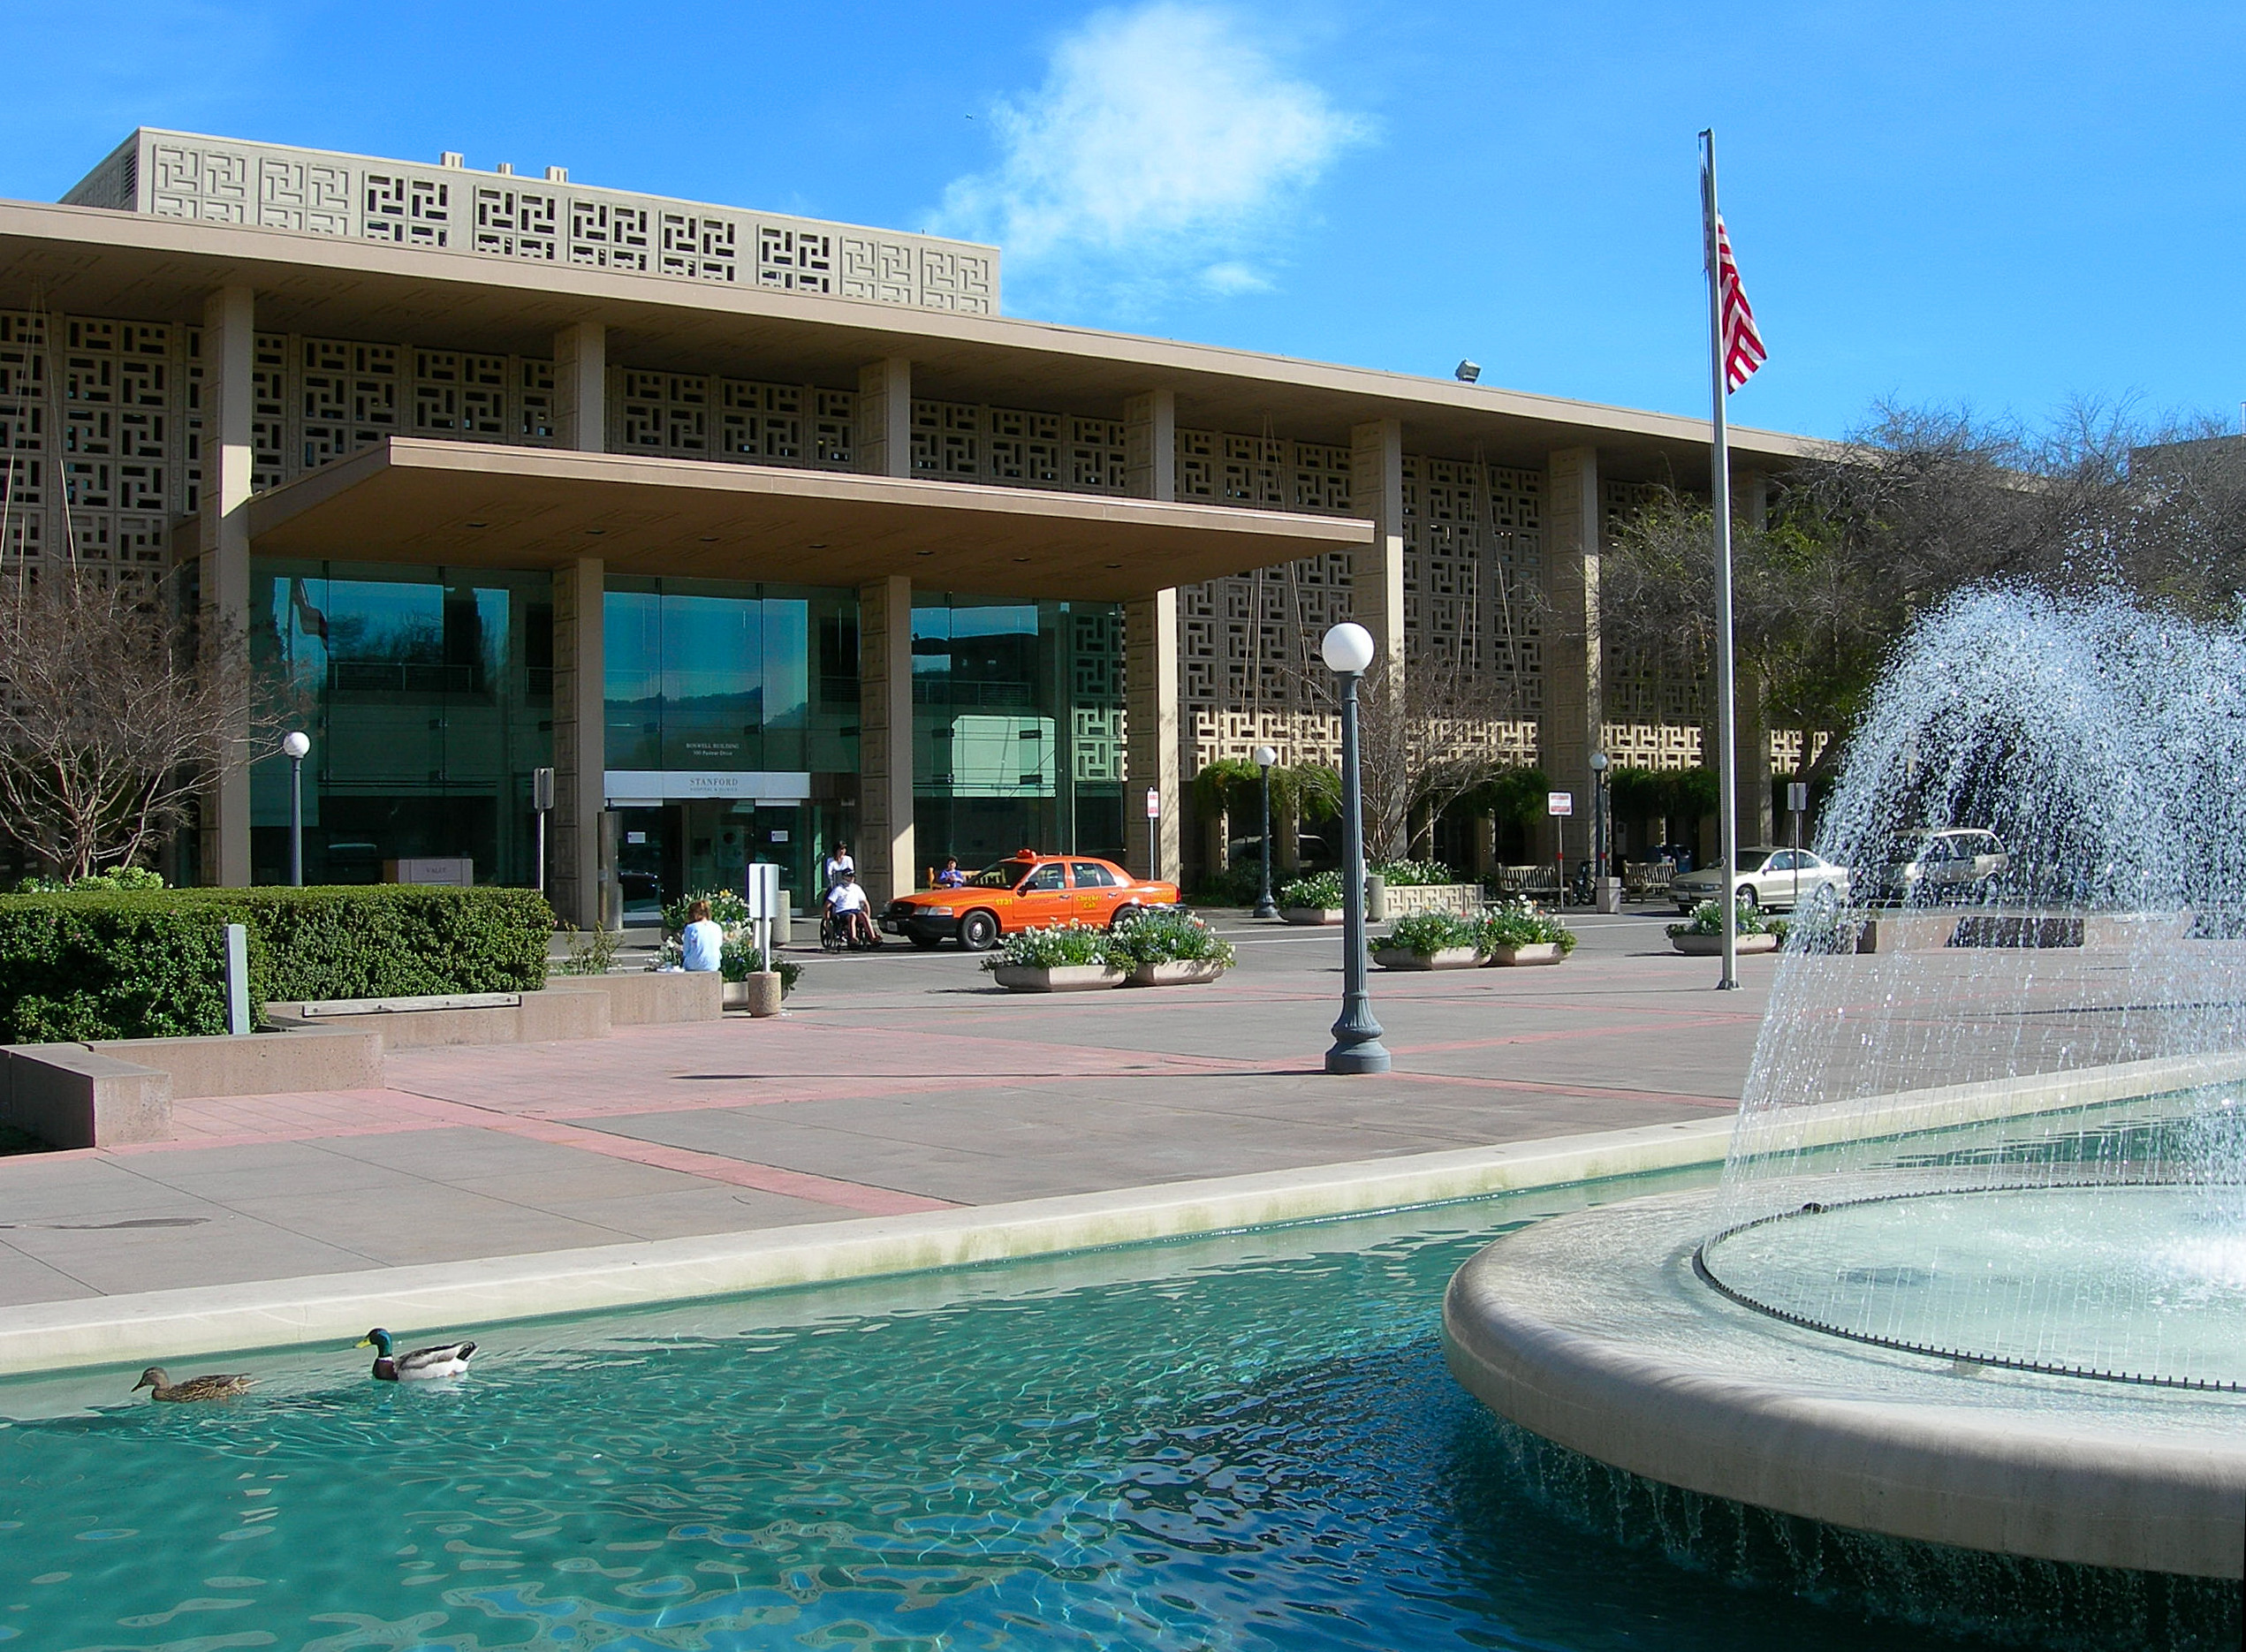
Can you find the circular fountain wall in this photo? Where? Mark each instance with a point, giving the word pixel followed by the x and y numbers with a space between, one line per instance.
pixel 1976 1270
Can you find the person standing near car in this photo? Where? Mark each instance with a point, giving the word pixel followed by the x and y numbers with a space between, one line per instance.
pixel 833 866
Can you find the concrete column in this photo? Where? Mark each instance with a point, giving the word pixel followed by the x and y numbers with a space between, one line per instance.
pixel 1568 731
pixel 1751 494
pixel 1150 445
pixel 886 848
pixel 581 740
pixel 1376 598
pixel 884 439
pixel 1150 761
pixel 228 358
pixel 580 386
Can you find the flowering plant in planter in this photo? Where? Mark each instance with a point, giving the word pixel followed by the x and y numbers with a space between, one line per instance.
pixel 1172 936
pixel 1428 933
pixel 1522 924
pixel 1708 919
pixel 737 960
pixel 1319 893
pixel 1060 947
pixel 1412 873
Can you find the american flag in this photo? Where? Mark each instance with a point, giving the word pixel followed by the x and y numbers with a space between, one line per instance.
pixel 1743 350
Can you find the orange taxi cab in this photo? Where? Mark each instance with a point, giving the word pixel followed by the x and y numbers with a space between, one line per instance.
pixel 1028 891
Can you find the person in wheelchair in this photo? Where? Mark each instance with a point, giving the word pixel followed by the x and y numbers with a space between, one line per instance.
pixel 850 913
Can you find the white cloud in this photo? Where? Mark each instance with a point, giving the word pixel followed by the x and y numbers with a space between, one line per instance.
pixel 1164 149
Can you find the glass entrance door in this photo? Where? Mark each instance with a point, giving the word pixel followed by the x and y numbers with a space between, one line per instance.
pixel 648 864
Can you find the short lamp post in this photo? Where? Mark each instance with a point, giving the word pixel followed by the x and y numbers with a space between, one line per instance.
pixel 1347 650
pixel 294 744
pixel 1265 756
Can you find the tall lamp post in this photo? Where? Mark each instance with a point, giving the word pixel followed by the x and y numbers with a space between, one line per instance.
pixel 1602 848
pixel 1348 649
pixel 1265 907
pixel 294 744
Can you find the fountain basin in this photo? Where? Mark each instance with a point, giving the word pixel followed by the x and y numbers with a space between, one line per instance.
pixel 1596 1332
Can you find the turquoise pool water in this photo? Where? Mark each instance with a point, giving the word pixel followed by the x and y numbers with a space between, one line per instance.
pixel 1248 1442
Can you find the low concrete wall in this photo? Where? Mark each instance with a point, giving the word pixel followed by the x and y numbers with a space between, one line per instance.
pixel 650 997
pixel 532 1017
pixel 267 1064
pixel 69 1096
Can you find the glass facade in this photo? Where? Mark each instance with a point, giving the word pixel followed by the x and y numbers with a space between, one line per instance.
pixel 731 731
pixel 1017 728
pixel 428 696
pixel 731 725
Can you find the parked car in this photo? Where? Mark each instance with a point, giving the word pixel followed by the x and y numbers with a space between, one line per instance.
pixel 1943 864
pixel 1028 891
pixel 1780 879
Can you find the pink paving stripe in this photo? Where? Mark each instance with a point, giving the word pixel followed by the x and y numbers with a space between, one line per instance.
pixel 1587 1092
pixel 872 1201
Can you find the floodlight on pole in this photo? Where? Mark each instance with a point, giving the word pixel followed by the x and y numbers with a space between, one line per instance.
pixel 1265 756
pixel 1467 372
pixel 294 744
pixel 1347 650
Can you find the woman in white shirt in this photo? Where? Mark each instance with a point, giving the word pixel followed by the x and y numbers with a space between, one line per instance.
pixel 702 946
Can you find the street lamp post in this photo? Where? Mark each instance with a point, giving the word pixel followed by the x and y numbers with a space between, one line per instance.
pixel 295 743
pixel 1602 829
pixel 1265 756
pixel 1348 649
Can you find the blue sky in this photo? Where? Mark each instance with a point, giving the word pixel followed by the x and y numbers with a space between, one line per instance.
pixel 2006 206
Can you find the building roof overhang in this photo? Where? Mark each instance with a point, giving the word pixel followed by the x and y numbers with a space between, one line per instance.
pixel 92 260
pixel 472 505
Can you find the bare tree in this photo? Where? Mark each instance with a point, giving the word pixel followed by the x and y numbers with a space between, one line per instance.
pixel 113 711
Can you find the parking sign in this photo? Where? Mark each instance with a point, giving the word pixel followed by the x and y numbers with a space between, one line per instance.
pixel 1559 803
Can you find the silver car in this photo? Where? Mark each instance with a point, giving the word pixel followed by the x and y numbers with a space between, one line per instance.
pixel 1779 879
pixel 1943 866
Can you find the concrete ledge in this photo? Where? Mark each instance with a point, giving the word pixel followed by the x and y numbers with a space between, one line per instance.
pixel 1909 931
pixel 649 997
pixel 69 1096
pixel 212 1319
pixel 1592 1332
pixel 266 1064
pixel 532 1017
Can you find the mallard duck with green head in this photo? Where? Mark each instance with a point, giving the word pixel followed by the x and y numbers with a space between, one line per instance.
pixel 422 1365
pixel 215 1386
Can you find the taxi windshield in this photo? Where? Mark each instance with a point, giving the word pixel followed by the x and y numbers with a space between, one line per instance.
pixel 1006 875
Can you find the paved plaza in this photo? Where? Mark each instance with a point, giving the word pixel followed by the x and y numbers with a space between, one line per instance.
pixel 898 1082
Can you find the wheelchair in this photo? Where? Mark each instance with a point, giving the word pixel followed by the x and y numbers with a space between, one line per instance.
pixel 835 935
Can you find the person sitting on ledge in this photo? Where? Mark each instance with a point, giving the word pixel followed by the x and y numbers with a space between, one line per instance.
pixel 702 945
pixel 949 876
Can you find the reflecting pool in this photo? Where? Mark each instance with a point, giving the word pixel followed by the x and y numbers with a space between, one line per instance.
pixel 1243 1442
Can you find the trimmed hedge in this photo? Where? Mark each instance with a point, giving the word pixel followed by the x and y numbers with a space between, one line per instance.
pixel 153 964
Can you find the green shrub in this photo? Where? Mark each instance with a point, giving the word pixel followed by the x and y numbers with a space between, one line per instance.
pixel 117 878
pixel 591 952
pixel 1427 933
pixel 1708 919
pixel 1059 947
pixel 1239 887
pixel 108 965
pixel 97 964
pixel 1321 891
pixel 1523 924
pixel 1165 937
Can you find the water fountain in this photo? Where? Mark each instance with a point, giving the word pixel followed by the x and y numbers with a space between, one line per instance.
pixel 1975 1273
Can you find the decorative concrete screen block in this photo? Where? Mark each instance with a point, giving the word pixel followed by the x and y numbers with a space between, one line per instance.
pixel 454 208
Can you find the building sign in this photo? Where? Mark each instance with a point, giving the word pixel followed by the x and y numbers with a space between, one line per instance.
pixel 1559 802
pixel 626 787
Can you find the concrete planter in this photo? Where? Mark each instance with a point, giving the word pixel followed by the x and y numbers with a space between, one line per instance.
pixel 1177 972
pixel 1447 958
pixel 1060 978
pixel 1406 900
pixel 1534 952
pixel 1712 945
pixel 1312 914
pixel 759 993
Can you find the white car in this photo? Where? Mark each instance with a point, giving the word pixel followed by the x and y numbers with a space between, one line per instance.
pixel 1777 879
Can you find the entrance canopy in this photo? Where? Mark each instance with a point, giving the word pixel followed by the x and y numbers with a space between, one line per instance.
pixel 474 505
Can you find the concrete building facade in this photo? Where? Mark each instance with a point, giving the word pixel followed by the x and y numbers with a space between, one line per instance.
pixel 764 534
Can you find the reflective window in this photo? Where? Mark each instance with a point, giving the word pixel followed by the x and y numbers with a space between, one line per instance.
pixel 1044 878
pixel 1091 874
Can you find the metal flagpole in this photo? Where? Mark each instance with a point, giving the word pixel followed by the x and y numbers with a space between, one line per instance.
pixel 1719 487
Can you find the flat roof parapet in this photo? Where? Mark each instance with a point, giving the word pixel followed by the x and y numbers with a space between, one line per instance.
pixel 453 207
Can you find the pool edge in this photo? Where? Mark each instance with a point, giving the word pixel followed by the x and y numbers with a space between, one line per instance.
pixel 193 1320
